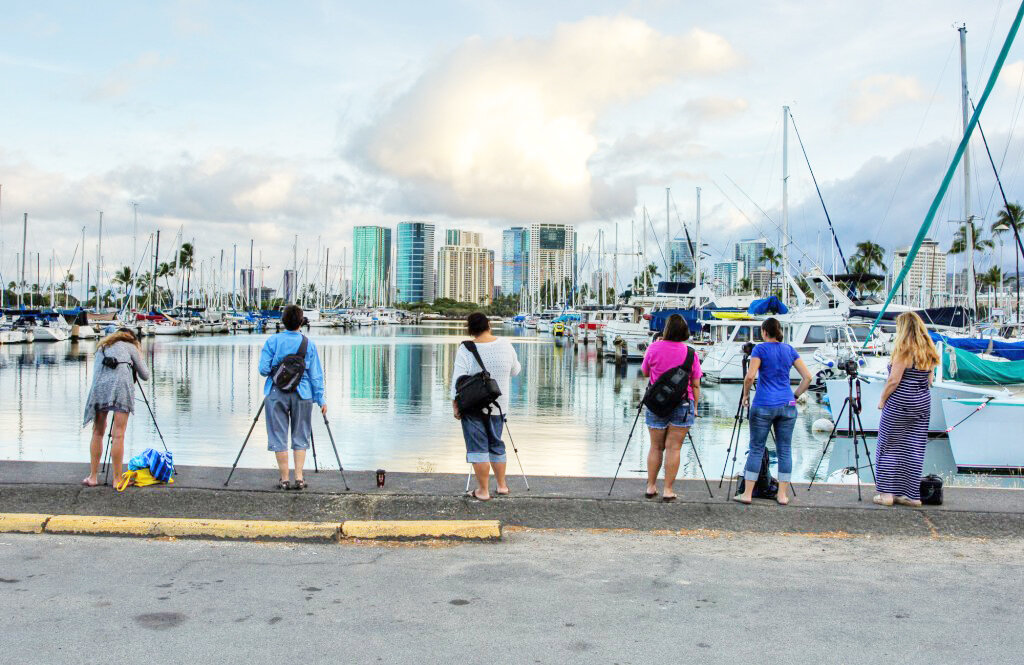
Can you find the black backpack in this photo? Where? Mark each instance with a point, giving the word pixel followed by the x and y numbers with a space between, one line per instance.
pixel 475 393
pixel 671 388
pixel 931 490
pixel 765 487
pixel 288 373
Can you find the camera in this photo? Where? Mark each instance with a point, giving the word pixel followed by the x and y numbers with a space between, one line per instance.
pixel 849 366
pixel 748 348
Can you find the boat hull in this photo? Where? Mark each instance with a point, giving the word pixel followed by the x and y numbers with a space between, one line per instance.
pixel 986 438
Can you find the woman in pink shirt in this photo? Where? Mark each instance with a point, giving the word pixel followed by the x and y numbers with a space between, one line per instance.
pixel 667 434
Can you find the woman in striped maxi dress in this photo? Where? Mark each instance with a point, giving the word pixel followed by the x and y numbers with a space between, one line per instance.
pixel 906 407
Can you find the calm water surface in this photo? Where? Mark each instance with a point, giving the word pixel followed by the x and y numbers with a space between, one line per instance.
pixel 388 398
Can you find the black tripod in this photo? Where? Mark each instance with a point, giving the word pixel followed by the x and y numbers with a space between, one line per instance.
pixel 110 435
pixel 852 406
pixel 504 420
pixel 630 438
pixel 315 467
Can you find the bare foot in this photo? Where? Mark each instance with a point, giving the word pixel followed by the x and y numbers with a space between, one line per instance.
pixel 90 481
pixel 741 499
pixel 883 499
pixel 782 499
pixel 904 501
pixel 503 491
pixel 651 491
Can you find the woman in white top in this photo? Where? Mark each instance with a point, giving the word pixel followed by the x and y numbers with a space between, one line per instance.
pixel 484 448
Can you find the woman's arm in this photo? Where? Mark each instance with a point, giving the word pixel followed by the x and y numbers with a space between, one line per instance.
pixel 462 356
pixel 140 365
pixel 895 376
pixel 315 372
pixel 805 377
pixel 267 355
pixel 748 380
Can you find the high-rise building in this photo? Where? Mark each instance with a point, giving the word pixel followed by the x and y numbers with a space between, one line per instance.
pixel 727 276
pixel 761 280
pixel 680 252
pixel 247 286
pixel 414 270
pixel 515 260
pixel 552 256
pixel 465 273
pixel 925 283
pixel 458 237
pixel 371 265
pixel 751 253
pixel 290 285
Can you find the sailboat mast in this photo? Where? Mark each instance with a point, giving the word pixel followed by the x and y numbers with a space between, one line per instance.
pixel 968 219
pixel 696 253
pixel 81 274
pixel 99 263
pixel 785 202
pixel 135 245
pixel 24 242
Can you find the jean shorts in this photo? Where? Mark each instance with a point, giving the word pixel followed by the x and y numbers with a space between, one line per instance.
pixel 682 416
pixel 483 439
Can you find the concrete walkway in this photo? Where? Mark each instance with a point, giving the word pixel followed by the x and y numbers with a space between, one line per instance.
pixel 551 502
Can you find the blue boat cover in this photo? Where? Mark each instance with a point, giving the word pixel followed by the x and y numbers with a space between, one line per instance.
pixel 1000 349
pixel 771 305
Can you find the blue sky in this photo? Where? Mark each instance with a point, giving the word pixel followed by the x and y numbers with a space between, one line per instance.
pixel 258 120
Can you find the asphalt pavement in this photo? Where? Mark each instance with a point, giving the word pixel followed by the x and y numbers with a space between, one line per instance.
pixel 537 597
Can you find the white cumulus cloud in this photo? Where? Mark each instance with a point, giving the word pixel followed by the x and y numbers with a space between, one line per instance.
pixel 871 96
pixel 506 129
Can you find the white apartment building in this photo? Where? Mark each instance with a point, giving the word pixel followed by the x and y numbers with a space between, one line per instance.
pixel 552 255
pixel 925 284
pixel 465 272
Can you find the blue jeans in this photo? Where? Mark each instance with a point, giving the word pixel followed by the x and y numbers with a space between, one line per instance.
pixel 763 419
pixel 682 416
pixel 483 439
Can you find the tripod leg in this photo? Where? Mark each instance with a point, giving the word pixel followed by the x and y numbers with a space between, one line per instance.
pixel 469 477
pixel 824 450
pixel 867 449
pixel 732 471
pixel 330 435
pixel 107 453
pixel 151 414
pixel 251 428
pixel 699 465
pixel 516 451
pixel 628 439
pixel 312 444
pixel 735 423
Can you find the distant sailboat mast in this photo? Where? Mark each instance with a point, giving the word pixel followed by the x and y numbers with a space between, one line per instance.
pixel 968 219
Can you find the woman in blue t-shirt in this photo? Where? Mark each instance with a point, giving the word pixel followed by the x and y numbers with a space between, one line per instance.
pixel 774 406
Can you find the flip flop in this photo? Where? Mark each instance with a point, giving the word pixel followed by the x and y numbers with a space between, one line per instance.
pixel 650 495
pixel 472 495
pixel 669 499
pixel 500 493
pixel 299 485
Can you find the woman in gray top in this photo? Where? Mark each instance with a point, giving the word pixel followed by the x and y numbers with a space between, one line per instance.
pixel 118 359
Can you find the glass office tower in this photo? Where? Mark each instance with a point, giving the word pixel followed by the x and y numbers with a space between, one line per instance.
pixel 415 262
pixel 515 259
pixel 371 266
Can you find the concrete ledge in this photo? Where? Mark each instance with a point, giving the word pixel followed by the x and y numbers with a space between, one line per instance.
pixel 194 528
pixel 421 529
pixel 22 522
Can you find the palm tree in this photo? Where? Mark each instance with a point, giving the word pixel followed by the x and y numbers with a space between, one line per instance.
pixel 1010 217
pixel 772 259
pixel 123 277
pixel 744 284
pixel 649 273
pixel 186 261
pixel 680 271
pixel 869 255
pixel 959 246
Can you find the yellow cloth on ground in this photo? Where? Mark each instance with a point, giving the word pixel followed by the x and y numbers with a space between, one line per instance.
pixel 140 478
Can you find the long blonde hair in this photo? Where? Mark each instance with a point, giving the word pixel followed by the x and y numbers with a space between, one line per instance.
pixel 121 335
pixel 913 345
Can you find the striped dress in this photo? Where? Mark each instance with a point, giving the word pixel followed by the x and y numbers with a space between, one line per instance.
pixel 903 436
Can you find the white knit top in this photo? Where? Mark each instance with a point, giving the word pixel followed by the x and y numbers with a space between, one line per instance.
pixel 500 359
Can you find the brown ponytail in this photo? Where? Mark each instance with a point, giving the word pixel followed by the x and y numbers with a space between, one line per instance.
pixel 771 328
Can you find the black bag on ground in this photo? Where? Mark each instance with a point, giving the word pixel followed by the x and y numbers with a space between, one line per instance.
pixel 475 393
pixel 288 373
pixel 671 388
pixel 931 490
pixel 765 487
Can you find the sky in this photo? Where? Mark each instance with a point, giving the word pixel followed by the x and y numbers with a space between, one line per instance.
pixel 235 121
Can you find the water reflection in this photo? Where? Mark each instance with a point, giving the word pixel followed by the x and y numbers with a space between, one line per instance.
pixel 388 395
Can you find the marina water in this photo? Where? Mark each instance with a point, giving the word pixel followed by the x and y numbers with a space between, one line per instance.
pixel 389 407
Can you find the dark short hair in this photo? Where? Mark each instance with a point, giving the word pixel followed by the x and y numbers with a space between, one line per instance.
pixel 477 323
pixel 292 317
pixel 771 327
pixel 676 329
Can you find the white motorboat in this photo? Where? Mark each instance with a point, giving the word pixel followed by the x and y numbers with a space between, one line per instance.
pixel 52 330
pixel 985 432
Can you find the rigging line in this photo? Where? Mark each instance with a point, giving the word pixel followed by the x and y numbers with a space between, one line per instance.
pixel 988 45
pixel 913 148
pixel 655 234
pixel 1016 231
pixel 686 232
pixel 818 189
pixel 764 152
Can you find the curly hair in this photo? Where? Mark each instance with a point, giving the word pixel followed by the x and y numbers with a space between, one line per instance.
pixel 120 335
pixel 913 345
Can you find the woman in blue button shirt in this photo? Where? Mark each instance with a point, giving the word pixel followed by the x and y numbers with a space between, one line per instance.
pixel 774 406
pixel 291 412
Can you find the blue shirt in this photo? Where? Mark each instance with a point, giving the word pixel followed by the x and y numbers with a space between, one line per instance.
pixel 311 386
pixel 773 387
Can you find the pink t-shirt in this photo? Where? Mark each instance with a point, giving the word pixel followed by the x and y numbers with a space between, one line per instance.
pixel 664 355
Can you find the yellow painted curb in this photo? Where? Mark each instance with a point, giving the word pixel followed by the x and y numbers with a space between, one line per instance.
pixel 22 522
pixel 177 526
pixel 409 529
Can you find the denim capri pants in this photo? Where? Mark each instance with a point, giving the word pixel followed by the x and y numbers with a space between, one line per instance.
pixel 287 412
pixel 681 416
pixel 483 439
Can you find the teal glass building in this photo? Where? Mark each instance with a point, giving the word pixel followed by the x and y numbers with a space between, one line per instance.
pixel 515 260
pixel 415 262
pixel 371 266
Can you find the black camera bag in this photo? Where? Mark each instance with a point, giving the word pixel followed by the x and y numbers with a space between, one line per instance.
pixel 475 393
pixel 931 490
pixel 765 487
pixel 671 389
pixel 288 373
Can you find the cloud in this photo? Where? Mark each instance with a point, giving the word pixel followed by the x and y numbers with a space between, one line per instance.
pixel 506 129
pixel 127 76
pixel 714 108
pixel 1012 74
pixel 870 97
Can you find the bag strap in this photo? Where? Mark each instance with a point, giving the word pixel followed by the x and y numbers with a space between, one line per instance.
pixel 476 354
pixel 302 347
pixel 688 363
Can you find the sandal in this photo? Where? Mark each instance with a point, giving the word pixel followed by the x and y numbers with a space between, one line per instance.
pixel 883 499
pixel 472 495
pixel 906 501
pixel 283 485
pixel 650 495
pixel 299 485
pixel 500 493
pixel 739 498
pixel 669 499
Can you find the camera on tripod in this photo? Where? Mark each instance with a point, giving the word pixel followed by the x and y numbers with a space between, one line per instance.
pixel 748 348
pixel 849 366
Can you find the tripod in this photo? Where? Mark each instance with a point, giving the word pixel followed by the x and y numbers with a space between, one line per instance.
pixel 110 435
pixel 630 438
pixel 852 406
pixel 315 466
pixel 504 420
pixel 737 427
